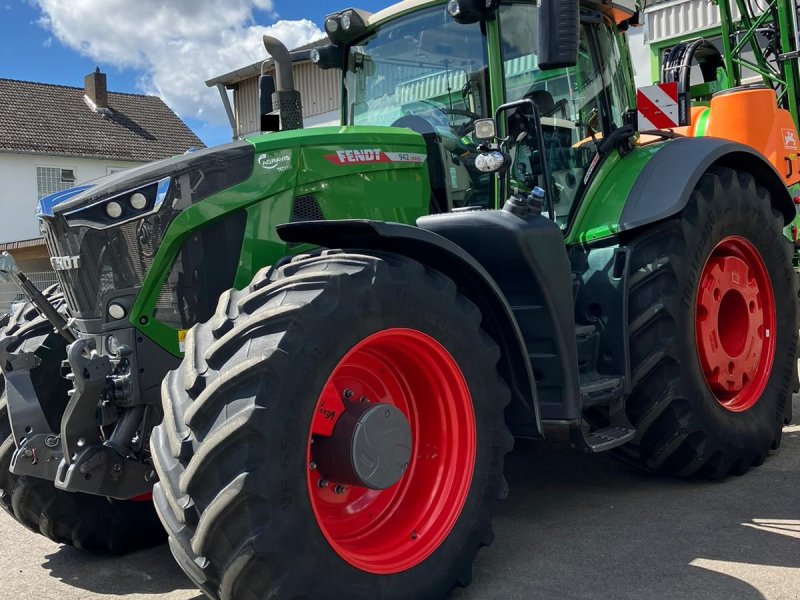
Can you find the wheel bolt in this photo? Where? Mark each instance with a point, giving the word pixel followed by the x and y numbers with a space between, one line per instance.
pixel 323 483
pixel 312 465
pixel 339 489
pixel 348 393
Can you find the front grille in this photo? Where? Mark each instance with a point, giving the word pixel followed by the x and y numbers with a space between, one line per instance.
pixel 111 259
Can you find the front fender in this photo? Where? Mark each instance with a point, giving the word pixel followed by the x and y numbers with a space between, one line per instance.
pixel 472 280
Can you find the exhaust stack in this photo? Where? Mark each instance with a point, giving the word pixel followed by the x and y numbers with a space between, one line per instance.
pixel 285 99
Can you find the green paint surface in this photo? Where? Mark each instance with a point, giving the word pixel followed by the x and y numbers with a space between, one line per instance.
pixel 306 162
pixel 601 207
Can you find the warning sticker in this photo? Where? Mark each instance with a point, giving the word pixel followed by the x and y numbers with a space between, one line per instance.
pixel 373 155
pixel 789 139
pixel 182 339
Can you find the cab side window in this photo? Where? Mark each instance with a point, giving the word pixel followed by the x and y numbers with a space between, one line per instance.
pixel 572 103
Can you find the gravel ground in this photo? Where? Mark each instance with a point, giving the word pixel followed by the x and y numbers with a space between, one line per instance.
pixel 574 527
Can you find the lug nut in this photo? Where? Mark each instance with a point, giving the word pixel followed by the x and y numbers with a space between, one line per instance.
pixel 323 483
pixel 312 465
pixel 348 393
pixel 339 489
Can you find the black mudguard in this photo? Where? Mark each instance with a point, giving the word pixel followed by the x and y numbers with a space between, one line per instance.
pixel 472 279
pixel 664 186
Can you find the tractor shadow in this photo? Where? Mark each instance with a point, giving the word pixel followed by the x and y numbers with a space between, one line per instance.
pixel 588 527
pixel 148 572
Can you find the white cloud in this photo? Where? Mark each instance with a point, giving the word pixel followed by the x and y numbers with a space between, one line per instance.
pixel 176 44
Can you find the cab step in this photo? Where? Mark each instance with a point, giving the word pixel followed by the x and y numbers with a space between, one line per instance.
pixel 608 438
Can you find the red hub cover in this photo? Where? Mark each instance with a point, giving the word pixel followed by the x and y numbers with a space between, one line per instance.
pixel 735 324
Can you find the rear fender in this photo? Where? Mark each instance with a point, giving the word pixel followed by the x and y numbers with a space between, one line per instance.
pixel 472 280
pixel 665 184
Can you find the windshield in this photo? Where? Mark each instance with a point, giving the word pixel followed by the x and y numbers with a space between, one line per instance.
pixel 427 73
pixel 423 64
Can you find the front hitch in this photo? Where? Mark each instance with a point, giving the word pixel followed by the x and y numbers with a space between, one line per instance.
pixel 89 464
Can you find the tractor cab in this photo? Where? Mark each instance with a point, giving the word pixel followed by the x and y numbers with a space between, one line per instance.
pixel 439 68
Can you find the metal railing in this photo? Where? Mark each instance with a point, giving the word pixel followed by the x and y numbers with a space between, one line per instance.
pixel 11 293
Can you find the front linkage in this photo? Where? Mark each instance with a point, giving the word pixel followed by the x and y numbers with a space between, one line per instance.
pixel 97 449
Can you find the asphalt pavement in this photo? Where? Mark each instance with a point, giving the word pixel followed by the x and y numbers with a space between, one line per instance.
pixel 574 527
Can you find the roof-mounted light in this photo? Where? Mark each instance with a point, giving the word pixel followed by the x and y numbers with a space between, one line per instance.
pixel 344 27
pixel 471 11
pixel 328 57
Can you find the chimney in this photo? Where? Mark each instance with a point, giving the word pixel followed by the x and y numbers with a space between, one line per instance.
pixel 94 85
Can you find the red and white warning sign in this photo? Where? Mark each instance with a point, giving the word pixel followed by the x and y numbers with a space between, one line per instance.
pixel 661 107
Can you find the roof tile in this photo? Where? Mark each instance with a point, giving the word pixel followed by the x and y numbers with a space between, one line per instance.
pixel 53 119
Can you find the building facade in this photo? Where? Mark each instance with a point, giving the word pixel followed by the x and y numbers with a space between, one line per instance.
pixel 55 137
pixel 320 91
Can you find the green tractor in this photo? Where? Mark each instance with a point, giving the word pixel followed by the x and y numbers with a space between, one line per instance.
pixel 356 322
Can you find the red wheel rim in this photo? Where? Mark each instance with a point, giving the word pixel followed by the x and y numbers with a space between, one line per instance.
pixel 392 530
pixel 735 324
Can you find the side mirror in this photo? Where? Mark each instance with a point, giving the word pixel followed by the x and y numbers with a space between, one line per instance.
pixel 559 30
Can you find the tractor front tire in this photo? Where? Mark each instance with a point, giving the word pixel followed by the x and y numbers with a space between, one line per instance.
pixel 713 334
pixel 248 486
pixel 93 523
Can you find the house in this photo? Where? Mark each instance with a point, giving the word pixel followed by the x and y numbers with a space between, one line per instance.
pixel 54 137
pixel 320 91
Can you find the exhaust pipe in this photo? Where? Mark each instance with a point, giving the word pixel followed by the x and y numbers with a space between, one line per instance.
pixel 285 99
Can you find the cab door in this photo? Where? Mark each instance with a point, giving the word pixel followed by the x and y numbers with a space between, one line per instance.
pixel 578 106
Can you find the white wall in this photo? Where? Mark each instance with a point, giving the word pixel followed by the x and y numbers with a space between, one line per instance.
pixel 18 193
pixel 640 56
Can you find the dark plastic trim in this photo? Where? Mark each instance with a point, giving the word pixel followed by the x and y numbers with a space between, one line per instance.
pixel 665 184
pixel 439 253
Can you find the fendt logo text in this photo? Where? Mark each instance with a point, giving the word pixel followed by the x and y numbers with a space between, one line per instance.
pixel 281 163
pixel 65 263
pixel 358 156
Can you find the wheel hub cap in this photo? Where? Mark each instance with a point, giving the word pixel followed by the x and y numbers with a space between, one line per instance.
pixel 370 447
pixel 735 322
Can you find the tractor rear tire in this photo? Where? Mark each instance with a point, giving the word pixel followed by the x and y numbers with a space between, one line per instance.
pixel 713 334
pixel 250 513
pixel 93 523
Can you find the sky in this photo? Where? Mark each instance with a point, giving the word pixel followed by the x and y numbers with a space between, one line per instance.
pixel 162 47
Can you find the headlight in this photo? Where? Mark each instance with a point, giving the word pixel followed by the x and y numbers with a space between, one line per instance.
pixel 138 201
pixel 121 208
pixel 113 209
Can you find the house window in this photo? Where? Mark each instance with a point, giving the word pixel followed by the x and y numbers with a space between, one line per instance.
pixel 53 179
